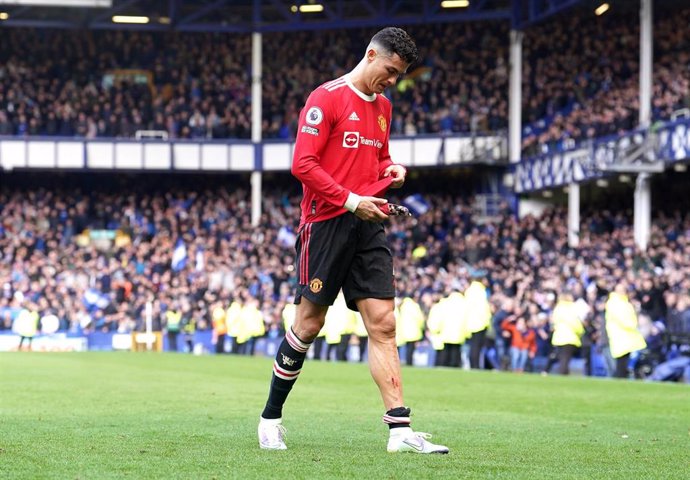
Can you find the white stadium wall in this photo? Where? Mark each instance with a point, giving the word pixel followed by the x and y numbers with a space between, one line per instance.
pixel 217 156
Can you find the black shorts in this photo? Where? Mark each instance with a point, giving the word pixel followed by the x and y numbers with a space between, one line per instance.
pixel 343 252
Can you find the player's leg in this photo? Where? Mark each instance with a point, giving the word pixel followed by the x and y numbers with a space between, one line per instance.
pixel 320 249
pixel 287 366
pixel 369 288
pixel 384 361
pixel 291 353
pixel 384 364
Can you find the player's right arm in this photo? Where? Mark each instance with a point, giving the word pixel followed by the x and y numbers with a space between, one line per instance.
pixel 313 131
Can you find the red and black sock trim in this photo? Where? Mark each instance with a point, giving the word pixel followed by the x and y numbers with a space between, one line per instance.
pixel 397 417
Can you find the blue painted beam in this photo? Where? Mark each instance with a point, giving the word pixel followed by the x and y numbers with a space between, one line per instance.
pixel 147 27
pixel 538 11
pixel 212 27
pixel 378 22
pixel 373 11
pixel 516 14
pixel 173 10
pixel 20 23
pixel 115 9
pixel 203 11
pixel 283 10
pixel 377 13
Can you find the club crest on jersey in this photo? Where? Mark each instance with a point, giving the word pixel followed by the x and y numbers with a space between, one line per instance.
pixel 315 285
pixel 314 116
pixel 350 139
pixel 382 123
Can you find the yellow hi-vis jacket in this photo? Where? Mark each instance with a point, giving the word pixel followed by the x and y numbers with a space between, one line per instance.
pixel 567 326
pixel 219 319
pixel 454 329
pixel 477 308
pixel 252 321
pixel 409 325
pixel 621 326
pixel 232 317
pixel 26 323
pixel 434 324
pixel 338 320
pixel 173 319
pixel 289 314
pixel 359 328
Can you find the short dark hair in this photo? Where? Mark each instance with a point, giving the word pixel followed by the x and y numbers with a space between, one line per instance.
pixel 397 40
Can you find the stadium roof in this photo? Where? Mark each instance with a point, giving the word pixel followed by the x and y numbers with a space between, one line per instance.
pixel 274 15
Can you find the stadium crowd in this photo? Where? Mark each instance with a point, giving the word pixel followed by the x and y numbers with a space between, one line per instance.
pixel 94 256
pixel 590 88
pixel 579 79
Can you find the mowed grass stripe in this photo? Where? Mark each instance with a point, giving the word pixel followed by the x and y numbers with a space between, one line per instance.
pixel 125 415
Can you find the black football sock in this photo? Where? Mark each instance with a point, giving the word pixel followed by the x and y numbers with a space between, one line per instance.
pixel 286 369
pixel 397 417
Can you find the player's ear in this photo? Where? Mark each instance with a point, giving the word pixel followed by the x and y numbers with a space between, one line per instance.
pixel 371 55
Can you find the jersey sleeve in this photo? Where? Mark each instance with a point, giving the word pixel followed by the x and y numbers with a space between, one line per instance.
pixel 314 128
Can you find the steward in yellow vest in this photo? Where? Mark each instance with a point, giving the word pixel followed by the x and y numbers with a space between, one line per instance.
pixel 621 328
pixel 567 330
pixel 409 326
pixel 478 315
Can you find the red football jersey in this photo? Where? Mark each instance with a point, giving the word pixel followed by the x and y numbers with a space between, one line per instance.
pixel 341 147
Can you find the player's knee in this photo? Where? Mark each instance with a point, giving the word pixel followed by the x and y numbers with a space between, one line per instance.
pixel 307 328
pixel 382 327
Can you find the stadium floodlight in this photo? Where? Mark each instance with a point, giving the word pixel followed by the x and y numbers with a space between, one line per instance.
pixel 311 8
pixel 59 3
pixel 4 15
pixel 130 19
pixel 602 9
pixel 455 3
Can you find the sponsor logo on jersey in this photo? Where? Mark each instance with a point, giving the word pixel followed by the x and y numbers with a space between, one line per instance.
pixel 354 140
pixel 350 139
pixel 315 285
pixel 370 142
pixel 353 116
pixel 310 130
pixel 382 123
pixel 314 116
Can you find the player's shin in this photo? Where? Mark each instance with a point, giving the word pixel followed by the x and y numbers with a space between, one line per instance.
pixel 286 369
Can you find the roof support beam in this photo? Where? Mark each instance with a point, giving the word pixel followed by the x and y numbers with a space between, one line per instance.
pixel 203 11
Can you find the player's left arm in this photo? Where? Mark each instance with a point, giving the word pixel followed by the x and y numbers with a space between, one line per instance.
pixel 386 166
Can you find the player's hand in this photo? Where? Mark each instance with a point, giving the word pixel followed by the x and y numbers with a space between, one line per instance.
pixel 368 209
pixel 398 173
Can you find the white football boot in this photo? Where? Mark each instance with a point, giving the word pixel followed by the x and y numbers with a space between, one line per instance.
pixel 406 440
pixel 272 434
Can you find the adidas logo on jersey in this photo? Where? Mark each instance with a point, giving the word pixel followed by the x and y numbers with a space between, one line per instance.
pixel 353 116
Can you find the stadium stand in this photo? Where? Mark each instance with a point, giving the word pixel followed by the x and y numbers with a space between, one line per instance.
pixel 575 86
pixel 590 88
pixel 92 256
pixel 92 251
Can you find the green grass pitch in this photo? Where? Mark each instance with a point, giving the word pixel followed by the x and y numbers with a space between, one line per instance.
pixel 128 415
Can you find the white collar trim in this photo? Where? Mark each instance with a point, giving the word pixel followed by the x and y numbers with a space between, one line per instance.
pixel 360 94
